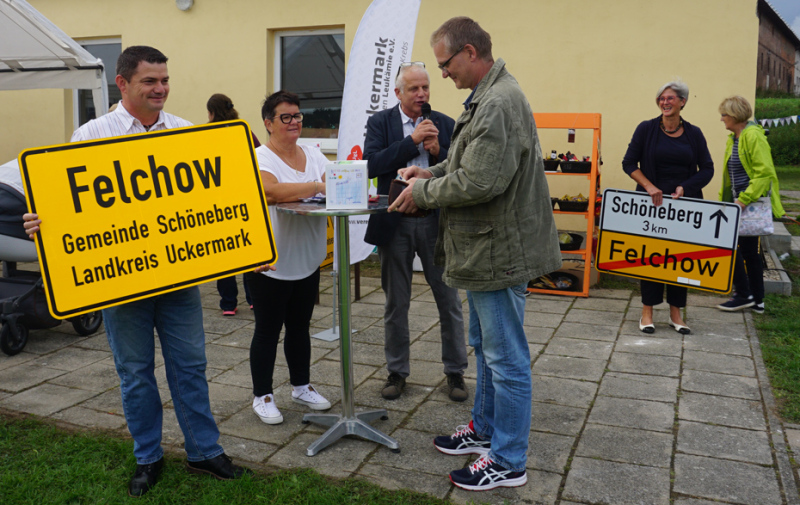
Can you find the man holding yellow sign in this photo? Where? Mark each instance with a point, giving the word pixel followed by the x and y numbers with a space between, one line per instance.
pixel 177 315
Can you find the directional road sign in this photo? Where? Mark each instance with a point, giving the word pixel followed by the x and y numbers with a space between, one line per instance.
pixel 685 241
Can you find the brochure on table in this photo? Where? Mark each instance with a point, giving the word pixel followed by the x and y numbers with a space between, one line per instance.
pixel 346 185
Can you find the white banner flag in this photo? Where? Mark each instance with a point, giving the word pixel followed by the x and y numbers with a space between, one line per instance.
pixel 384 40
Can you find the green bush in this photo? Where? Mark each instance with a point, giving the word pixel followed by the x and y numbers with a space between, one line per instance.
pixel 783 140
pixel 785 144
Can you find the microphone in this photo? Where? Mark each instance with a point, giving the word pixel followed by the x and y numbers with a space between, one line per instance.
pixel 426 111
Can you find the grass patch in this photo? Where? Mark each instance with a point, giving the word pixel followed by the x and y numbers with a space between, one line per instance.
pixel 772 108
pixel 371 268
pixel 611 281
pixel 42 464
pixel 789 176
pixel 773 93
pixel 779 333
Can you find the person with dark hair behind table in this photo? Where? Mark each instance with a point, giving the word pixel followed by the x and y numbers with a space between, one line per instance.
pixel 220 108
pixel 747 175
pixel 668 156
pixel 286 296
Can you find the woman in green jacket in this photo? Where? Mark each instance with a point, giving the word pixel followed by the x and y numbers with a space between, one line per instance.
pixel 747 175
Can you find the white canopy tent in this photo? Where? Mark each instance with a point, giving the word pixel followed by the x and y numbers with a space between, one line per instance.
pixel 35 53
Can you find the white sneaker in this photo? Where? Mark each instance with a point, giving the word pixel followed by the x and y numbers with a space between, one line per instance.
pixel 308 396
pixel 266 410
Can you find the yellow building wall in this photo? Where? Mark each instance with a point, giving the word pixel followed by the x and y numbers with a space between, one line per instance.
pixel 606 56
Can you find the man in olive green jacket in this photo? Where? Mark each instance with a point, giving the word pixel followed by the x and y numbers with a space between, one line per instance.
pixel 496 233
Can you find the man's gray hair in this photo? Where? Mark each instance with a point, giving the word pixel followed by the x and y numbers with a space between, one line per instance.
pixel 679 87
pixel 400 83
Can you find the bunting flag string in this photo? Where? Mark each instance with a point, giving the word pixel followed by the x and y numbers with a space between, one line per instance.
pixel 781 121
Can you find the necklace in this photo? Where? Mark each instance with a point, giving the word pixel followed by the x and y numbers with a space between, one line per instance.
pixel 670 132
pixel 291 164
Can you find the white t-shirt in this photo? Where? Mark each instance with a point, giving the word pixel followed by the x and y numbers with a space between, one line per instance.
pixel 301 240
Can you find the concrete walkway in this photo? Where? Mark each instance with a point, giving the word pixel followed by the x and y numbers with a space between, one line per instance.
pixel 618 417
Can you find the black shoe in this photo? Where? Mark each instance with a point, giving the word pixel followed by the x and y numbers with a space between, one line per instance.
pixel 145 477
pixel 758 308
pixel 737 303
pixel 458 390
pixel 394 387
pixel 220 467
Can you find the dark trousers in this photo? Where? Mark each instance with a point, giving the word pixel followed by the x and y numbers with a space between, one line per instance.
pixel 653 294
pixel 418 235
pixel 277 303
pixel 748 269
pixel 229 291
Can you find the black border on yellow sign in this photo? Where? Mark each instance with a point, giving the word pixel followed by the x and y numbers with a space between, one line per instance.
pixel 163 289
pixel 597 255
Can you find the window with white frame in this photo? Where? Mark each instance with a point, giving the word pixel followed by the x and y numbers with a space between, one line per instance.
pixel 310 63
pixel 108 50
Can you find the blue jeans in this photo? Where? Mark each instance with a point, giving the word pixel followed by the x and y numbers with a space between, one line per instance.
pixel 502 410
pixel 178 318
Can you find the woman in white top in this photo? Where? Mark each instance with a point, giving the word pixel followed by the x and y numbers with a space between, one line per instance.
pixel 286 296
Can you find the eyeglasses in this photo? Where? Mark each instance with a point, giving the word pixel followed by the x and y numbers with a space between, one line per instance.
pixel 287 118
pixel 443 66
pixel 413 64
pixel 668 99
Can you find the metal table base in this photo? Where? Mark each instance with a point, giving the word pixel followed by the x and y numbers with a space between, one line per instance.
pixel 349 422
pixel 355 425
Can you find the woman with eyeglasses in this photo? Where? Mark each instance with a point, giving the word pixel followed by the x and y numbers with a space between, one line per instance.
pixel 220 108
pixel 668 156
pixel 286 296
pixel 747 174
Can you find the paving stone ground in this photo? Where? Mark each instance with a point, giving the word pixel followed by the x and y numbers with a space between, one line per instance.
pixel 618 417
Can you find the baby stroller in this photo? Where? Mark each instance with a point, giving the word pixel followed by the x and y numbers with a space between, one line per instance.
pixel 23 305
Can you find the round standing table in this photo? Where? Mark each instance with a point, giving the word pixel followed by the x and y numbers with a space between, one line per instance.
pixel 350 422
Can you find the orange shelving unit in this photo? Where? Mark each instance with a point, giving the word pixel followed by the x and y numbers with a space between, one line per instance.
pixel 577 121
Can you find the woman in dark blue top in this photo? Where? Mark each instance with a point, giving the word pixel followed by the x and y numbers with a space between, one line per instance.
pixel 220 108
pixel 667 155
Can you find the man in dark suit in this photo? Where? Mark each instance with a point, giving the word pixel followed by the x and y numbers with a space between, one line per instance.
pixel 397 138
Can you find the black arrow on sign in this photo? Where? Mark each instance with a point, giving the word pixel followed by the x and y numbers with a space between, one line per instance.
pixel 719 215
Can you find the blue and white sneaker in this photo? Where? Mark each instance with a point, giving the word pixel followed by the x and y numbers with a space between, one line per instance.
pixel 463 441
pixel 484 474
